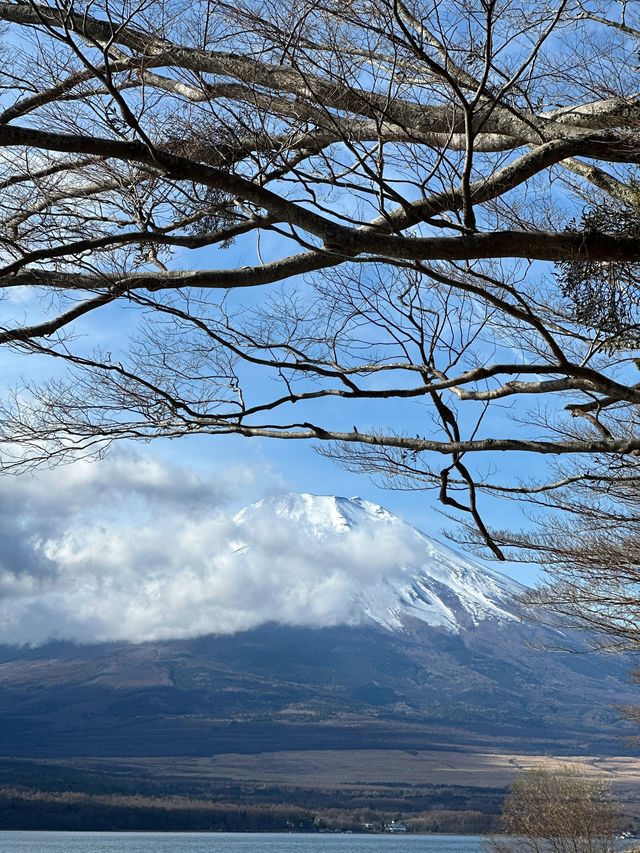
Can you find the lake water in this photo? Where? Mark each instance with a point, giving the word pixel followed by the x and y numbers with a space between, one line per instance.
pixel 222 842
pixel 234 842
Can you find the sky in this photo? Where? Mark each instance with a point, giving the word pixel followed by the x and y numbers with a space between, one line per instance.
pixel 138 547
pixel 295 465
pixel 141 545
pixel 85 543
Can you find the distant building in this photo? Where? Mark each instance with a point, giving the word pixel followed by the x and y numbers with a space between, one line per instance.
pixel 395 827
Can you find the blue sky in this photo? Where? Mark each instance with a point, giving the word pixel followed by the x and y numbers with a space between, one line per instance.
pixel 278 466
pixel 62 519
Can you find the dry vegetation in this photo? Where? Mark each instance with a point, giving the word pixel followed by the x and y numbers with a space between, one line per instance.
pixel 374 768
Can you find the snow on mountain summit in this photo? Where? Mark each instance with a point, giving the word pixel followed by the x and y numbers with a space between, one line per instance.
pixel 321 514
pixel 411 575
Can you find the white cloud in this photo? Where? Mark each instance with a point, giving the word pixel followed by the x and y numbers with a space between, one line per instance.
pixel 133 548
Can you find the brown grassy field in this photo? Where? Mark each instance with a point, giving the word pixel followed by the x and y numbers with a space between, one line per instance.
pixel 372 768
pixel 433 790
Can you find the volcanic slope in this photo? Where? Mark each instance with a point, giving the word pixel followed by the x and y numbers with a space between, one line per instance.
pixel 426 650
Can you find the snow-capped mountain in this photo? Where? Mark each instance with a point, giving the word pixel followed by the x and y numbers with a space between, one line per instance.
pixel 369 635
pixel 423 579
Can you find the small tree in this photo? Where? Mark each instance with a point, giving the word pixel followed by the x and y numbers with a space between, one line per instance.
pixel 558 810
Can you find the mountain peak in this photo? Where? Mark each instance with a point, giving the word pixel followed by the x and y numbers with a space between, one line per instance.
pixel 420 578
pixel 324 514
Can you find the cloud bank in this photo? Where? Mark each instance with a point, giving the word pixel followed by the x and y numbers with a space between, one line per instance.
pixel 134 548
